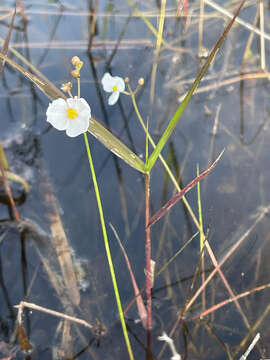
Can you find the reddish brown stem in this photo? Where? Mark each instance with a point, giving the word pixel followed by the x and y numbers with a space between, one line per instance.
pixel 24 17
pixel 148 281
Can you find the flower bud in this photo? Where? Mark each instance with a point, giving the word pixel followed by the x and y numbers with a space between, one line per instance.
pixel 75 60
pixel 79 65
pixel 75 73
pixel 141 81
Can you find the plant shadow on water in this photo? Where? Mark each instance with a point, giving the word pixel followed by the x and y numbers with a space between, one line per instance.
pixel 227 112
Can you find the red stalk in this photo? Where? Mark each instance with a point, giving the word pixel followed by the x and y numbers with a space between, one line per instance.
pixel 148 281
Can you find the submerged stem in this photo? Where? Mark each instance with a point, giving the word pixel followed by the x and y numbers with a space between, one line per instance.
pixel 107 247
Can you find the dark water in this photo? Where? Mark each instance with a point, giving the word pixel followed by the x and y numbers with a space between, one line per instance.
pixel 233 196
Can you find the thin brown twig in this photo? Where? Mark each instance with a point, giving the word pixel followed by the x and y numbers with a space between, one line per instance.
pixel 229 300
pixel 237 20
pixel 49 311
pixel 226 257
pixel 24 17
pixel 226 82
pixel 218 269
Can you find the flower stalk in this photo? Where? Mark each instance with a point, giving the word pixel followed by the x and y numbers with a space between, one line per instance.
pixel 107 248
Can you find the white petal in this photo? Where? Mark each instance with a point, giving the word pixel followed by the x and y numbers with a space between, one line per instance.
pixel 58 121
pixel 107 82
pixel 78 126
pixel 73 129
pixel 56 114
pixel 57 106
pixel 119 82
pixel 80 105
pixel 83 106
pixel 73 103
pixel 113 97
pixel 84 122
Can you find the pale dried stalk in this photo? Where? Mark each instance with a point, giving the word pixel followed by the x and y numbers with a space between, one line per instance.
pixel 49 311
pixel 261 36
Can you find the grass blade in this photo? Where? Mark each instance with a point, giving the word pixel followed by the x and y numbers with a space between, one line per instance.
pixel 163 211
pixel 17 178
pixel 167 133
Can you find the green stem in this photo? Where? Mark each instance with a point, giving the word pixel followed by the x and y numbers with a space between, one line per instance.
pixel 79 87
pixel 107 247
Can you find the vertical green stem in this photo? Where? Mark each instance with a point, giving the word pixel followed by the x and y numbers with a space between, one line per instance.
pixel 108 252
pixel 79 86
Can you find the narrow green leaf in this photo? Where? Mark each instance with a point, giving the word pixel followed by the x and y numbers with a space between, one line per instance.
pixel 115 145
pixel 167 133
pixel 17 178
pixel 95 128
pixel 3 158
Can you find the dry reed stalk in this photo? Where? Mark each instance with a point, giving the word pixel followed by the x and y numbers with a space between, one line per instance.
pixel 200 30
pixel 237 20
pixel 262 39
pixel 218 269
pixel 229 301
pixel 226 82
pixel 32 306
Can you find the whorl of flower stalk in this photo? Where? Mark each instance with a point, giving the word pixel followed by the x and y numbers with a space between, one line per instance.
pixel 76 61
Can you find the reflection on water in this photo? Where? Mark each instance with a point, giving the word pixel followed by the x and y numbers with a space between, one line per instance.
pixel 226 114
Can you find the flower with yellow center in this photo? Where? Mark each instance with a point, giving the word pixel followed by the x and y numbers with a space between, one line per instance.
pixel 72 115
pixel 114 85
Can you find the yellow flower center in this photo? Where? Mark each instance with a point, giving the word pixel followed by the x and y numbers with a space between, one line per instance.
pixel 115 88
pixel 71 113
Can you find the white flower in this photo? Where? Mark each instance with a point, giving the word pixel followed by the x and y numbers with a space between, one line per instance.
pixel 72 115
pixel 113 84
